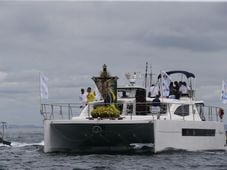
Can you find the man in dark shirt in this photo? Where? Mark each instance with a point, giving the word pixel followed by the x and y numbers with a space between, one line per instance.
pixel 156 103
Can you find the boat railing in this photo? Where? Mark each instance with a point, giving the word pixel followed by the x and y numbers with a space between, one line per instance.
pixel 211 113
pixel 60 110
pixel 69 110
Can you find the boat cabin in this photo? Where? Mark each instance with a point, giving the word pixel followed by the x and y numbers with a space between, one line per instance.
pixel 132 101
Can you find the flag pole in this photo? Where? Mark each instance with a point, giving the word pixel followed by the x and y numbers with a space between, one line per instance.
pixel 40 102
pixel 161 85
pixel 43 90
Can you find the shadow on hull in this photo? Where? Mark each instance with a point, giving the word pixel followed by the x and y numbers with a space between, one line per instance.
pixel 103 138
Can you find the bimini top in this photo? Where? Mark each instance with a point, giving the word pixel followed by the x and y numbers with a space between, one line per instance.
pixel 187 74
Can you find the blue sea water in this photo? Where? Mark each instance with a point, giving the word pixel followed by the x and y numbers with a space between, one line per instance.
pixel 26 152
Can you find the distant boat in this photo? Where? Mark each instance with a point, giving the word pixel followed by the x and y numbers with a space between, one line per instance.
pixel 133 122
pixel 4 125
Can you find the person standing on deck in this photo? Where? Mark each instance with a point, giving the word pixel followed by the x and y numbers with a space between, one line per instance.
pixel 154 91
pixel 183 89
pixel 156 106
pixel 91 96
pixel 83 98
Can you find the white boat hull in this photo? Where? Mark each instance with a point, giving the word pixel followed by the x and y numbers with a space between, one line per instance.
pixel 168 134
pixel 158 135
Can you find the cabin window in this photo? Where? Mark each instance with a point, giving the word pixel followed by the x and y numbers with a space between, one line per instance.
pixel 182 110
pixel 129 109
pixel 198 132
pixel 120 107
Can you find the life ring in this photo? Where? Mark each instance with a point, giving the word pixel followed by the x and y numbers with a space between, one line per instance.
pixel 221 113
pixel 96 129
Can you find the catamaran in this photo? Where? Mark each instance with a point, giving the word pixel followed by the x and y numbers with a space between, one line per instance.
pixel 132 122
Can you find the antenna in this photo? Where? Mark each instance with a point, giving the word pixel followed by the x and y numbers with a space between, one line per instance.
pixel 151 74
pixel 146 75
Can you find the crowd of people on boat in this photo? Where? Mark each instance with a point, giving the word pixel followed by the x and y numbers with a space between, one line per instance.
pixel 174 90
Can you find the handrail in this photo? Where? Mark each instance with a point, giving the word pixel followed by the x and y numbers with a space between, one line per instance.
pixel 68 110
pixel 212 113
pixel 58 110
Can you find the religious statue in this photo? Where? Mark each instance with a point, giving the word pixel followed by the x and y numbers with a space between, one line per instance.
pixel 107 86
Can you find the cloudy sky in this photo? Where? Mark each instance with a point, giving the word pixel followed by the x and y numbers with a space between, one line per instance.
pixel 70 41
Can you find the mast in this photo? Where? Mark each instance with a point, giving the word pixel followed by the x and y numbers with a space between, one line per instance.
pixel 4 125
pixel 151 74
pixel 146 76
pixel 3 130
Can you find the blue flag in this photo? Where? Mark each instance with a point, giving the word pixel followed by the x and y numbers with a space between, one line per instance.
pixel 224 92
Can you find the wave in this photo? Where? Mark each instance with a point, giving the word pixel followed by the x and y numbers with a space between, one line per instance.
pixel 19 144
pixel 141 145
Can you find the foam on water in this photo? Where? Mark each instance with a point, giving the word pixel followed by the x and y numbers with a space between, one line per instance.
pixel 18 144
pixel 141 145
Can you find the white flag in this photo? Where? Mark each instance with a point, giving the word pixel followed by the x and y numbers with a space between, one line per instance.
pixel 224 92
pixel 165 84
pixel 43 86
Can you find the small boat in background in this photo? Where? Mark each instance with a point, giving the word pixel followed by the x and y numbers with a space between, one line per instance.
pixel 2 133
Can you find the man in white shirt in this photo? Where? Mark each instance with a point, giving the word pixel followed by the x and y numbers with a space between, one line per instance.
pixel 183 89
pixel 83 98
pixel 154 91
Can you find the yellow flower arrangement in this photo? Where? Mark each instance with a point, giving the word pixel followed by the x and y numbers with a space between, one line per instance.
pixel 108 111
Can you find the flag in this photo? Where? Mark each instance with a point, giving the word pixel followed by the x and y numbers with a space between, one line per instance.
pixel 43 86
pixel 224 92
pixel 166 76
pixel 165 84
